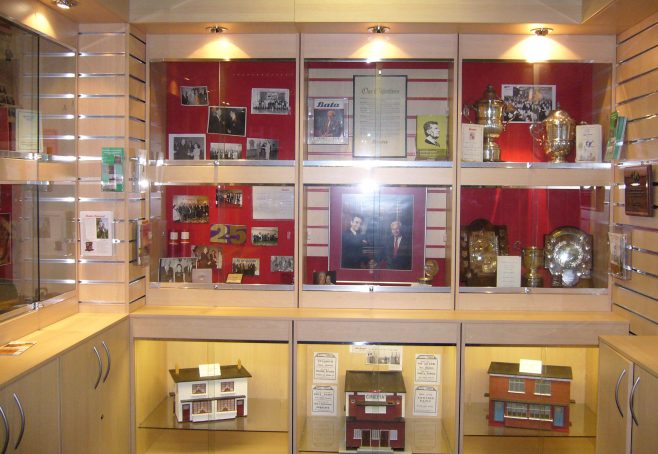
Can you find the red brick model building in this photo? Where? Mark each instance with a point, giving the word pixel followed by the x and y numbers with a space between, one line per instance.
pixel 530 401
pixel 374 409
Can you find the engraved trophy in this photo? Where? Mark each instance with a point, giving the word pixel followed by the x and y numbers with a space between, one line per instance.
pixel 533 259
pixel 490 114
pixel 557 134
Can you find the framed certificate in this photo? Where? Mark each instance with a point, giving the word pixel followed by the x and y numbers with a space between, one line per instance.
pixel 380 117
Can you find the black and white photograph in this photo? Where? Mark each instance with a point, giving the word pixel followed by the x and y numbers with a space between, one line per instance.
pixel 531 103
pixel 187 146
pixel 328 121
pixel 264 236
pixel 262 149
pixel 207 256
pixel 246 267
pixel 229 197
pixel 225 151
pixel 272 101
pixel 282 263
pixel 176 269
pixel 231 121
pixel 191 209
pixel 194 96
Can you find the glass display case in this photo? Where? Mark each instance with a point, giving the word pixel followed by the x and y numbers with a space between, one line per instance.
pixel 388 397
pixel 534 399
pixel 211 396
pixel 37 171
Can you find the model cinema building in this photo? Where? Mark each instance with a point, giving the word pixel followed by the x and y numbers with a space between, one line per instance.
pixel 374 409
pixel 527 400
pixel 213 397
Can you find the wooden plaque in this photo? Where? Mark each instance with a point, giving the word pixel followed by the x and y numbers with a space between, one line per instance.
pixel 638 195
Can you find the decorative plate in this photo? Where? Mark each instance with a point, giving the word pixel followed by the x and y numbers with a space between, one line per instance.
pixel 568 255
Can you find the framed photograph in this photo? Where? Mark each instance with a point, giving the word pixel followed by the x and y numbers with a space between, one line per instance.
pixel 190 209
pixel 176 269
pixel 231 121
pixel 194 96
pixel 377 236
pixel 208 257
pixel 246 267
pixel 262 149
pixel 281 263
pixel 229 197
pixel 225 151
pixel 187 146
pixel 432 137
pixel 5 239
pixel 532 103
pixel 380 117
pixel 264 236
pixel 271 101
pixel 328 121
pixel 324 277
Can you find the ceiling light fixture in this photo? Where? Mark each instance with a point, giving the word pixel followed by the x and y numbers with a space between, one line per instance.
pixel 216 29
pixel 379 29
pixel 65 4
pixel 541 31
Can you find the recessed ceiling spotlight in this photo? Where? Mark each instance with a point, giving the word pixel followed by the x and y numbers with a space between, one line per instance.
pixel 65 4
pixel 379 29
pixel 541 31
pixel 216 29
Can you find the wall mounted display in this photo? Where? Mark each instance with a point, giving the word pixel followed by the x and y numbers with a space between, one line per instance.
pixel 194 96
pixel 327 122
pixel 638 192
pixel 380 117
pixel 529 103
pixel 272 101
pixel 187 146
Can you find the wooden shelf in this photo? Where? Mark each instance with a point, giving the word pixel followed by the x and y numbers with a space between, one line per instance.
pixel 516 174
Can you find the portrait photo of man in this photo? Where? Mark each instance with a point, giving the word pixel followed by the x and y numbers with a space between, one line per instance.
pixel 397 249
pixel 353 243
pixel 431 137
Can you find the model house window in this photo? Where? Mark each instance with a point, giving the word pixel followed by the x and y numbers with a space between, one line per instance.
pixel 543 388
pixel 225 405
pixel 516 385
pixel 199 388
pixel 357 434
pixel 228 386
pixel 201 407
pixel 374 434
pixel 541 412
pixel 514 410
pixel 393 435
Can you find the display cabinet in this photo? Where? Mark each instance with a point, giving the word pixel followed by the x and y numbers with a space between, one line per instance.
pixel 377 171
pixel 222 196
pixel 37 171
pixel 534 192
pixel 238 403
pixel 357 388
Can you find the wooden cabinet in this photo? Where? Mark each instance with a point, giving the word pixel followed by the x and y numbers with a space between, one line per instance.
pixel 95 394
pixel 628 383
pixel 31 410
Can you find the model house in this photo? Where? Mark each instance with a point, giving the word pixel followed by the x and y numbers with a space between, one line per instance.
pixel 529 401
pixel 210 398
pixel 374 409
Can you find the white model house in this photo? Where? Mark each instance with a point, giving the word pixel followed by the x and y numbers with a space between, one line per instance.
pixel 210 398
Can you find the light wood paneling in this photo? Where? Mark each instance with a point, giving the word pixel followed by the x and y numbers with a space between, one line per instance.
pixel 637 28
pixel 644 106
pixel 137 89
pixel 634 302
pixel 381 331
pixel 640 151
pixel 372 300
pixel 380 175
pixel 93 148
pixel 42 19
pixel 104 28
pixel 137 109
pixel 647 263
pixel 136 129
pixel 535 177
pixel 137 48
pixel 137 69
pixel 212 10
pixel 102 64
pixel 639 326
pixel 237 298
pixel 643 85
pixel 534 301
pixel 111 293
pixel 102 85
pixel 641 64
pixel 18 170
pixel 636 46
pixel 99 127
pixel 223 46
pixel 101 43
pixel 642 129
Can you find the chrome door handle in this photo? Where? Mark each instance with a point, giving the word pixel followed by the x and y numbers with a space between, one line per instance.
pixel 6 424
pixel 20 409
pixel 109 360
pixel 631 401
pixel 623 372
pixel 100 368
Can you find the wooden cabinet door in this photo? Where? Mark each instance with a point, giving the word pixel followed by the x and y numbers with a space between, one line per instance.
pixel 31 405
pixel 613 422
pixel 115 390
pixel 81 374
pixel 645 408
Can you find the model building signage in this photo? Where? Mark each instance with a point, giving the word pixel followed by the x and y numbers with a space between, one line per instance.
pixel 220 395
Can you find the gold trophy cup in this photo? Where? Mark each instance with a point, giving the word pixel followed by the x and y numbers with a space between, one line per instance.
pixel 430 270
pixel 533 259
pixel 557 134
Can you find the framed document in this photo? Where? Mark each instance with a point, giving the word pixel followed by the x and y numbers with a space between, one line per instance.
pixel 380 117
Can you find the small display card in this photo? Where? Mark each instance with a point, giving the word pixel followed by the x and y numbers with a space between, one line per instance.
pixel 210 370
pixel 323 401
pixel 472 142
pixel 426 401
pixel 428 367
pixel 530 366
pixel 508 271
pixel 325 367
pixel 588 143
